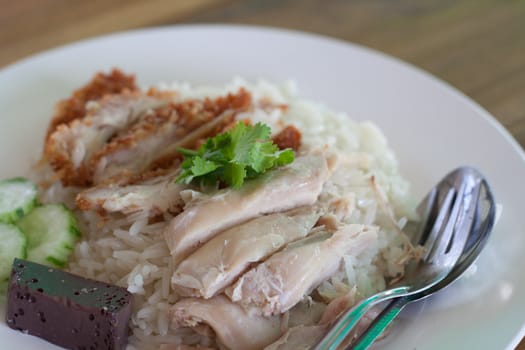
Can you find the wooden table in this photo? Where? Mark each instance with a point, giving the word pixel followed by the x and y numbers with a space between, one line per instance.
pixel 476 45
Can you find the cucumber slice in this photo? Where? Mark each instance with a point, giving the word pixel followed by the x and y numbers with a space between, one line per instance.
pixel 13 244
pixel 52 232
pixel 17 198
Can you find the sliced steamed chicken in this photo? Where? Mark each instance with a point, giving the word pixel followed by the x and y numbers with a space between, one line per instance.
pixel 222 259
pixel 235 327
pixel 70 147
pixel 291 186
pixel 285 278
pixel 156 196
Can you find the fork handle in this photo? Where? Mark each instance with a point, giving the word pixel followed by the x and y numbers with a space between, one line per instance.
pixel 380 323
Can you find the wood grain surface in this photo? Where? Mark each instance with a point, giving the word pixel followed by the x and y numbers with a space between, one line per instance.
pixel 478 46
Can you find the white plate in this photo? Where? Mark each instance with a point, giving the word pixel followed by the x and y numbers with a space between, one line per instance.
pixel 431 126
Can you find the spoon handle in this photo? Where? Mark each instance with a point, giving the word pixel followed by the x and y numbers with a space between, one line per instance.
pixel 380 323
pixel 350 318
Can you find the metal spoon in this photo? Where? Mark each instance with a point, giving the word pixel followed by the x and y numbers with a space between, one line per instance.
pixel 484 221
pixel 448 214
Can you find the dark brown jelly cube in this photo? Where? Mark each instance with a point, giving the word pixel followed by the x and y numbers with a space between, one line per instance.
pixel 65 309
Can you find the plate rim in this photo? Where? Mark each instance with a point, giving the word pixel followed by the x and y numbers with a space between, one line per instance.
pixel 443 85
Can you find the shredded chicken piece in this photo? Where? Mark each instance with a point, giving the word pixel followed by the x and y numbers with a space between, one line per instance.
pixel 183 347
pixel 410 251
pixel 202 219
pixel 289 137
pixel 235 327
pixel 222 259
pixel 155 196
pixel 339 305
pixel 286 277
pixel 307 313
pixel 299 338
pixel 70 147
pixel 305 336
pixel 102 84
pixel 338 202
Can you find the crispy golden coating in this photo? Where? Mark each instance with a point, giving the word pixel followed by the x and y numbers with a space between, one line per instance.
pixel 152 141
pixel 71 146
pixel 109 131
pixel 289 137
pixel 102 84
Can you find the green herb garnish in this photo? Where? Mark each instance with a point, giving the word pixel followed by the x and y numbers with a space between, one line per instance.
pixel 242 153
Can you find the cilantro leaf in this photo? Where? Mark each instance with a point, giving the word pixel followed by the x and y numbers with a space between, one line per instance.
pixel 244 152
pixel 286 156
pixel 244 139
pixel 263 156
pixel 201 166
pixel 234 174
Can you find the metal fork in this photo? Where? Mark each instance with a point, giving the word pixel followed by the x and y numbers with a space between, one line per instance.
pixel 448 213
pixel 478 237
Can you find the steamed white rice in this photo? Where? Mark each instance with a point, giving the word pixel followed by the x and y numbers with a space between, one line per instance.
pixel 131 253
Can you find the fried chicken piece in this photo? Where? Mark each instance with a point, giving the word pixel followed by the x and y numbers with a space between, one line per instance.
pixel 71 146
pixel 155 138
pixel 102 84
